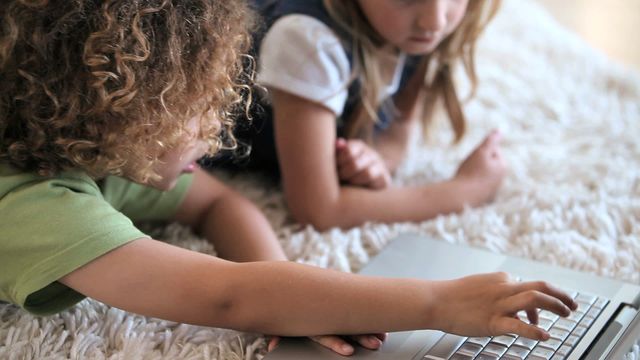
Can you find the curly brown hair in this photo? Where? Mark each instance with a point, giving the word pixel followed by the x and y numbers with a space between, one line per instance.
pixel 107 86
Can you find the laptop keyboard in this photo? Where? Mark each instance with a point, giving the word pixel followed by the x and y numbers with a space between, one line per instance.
pixel 565 335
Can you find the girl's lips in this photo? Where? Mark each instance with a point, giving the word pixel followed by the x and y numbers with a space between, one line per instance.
pixel 422 39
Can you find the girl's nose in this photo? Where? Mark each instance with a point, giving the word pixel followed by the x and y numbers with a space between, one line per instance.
pixel 433 16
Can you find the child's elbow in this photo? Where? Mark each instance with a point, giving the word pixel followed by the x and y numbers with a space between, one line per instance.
pixel 320 216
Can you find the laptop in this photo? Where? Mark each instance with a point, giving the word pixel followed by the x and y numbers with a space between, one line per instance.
pixel 605 326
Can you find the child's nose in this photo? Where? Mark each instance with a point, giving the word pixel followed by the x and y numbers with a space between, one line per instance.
pixel 433 16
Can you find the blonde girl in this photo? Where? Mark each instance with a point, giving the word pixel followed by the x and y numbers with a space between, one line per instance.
pixel 350 81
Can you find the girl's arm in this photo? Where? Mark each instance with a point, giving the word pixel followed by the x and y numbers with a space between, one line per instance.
pixel 305 138
pixel 155 279
pixel 232 223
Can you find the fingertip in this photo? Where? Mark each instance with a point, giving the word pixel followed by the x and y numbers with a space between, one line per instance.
pixel 346 349
pixel 341 142
pixel 382 336
pixel 544 336
pixel 273 342
pixel 574 305
pixel 491 139
pixel 375 342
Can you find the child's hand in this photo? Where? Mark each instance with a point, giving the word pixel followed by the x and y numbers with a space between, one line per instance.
pixel 484 169
pixel 486 305
pixel 360 165
pixel 339 344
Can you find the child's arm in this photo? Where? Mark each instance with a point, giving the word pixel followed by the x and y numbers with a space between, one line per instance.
pixel 305 138
pixel 232 223
pixel 160 280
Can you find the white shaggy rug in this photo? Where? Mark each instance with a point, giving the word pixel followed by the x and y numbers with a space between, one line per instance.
pixel 570 119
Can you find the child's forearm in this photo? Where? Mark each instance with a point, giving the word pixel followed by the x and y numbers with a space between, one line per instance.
pixel 239 231
pixel 354 205
pixel 297 300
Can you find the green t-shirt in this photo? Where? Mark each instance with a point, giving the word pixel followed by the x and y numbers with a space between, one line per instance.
pixel 51 226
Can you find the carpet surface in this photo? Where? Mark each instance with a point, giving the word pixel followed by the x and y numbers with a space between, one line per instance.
pixel 570 119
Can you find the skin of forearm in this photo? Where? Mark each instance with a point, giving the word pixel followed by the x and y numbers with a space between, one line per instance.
pixel 239 231
pixel 291 299
pixel 355 205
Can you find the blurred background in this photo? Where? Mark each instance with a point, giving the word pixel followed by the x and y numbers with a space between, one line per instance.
pixel 612 26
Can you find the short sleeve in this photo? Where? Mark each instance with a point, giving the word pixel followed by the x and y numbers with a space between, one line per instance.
pixel 144 203
pixel 49 229
pixel 304 57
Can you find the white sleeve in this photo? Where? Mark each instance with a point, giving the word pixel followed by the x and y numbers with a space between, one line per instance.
pixel 303 56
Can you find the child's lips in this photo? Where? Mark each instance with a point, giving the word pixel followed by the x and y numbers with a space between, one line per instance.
pixel 423 39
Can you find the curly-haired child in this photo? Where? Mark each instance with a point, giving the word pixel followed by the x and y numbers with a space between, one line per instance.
pixel 105 105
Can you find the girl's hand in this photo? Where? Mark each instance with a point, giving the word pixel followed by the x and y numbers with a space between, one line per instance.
pixel 484 169
pixel 339 344
pixel 360 165
pixel 487 305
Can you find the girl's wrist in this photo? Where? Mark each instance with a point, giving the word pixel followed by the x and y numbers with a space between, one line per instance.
pixel 469 190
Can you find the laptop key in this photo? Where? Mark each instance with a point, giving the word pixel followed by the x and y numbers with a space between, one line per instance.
pixel 587 298
pixel 586 321
pixel 482 341
pixel 579 331
pixel 575 316
pixel 593 312
pixel 487 356
pixel 572 340
pixel 600 303
pixel 458 356
pixel 546 314
pixel 517 352
pixel 469 349
pixel 526 343
pixel 583 307
pixel 496 349
pixel 447 345
pixel 559 334
pixel 552 344
pixel 544 324
pixel 542 352
pixel 504 340
pixel 565 324
pixel 564 351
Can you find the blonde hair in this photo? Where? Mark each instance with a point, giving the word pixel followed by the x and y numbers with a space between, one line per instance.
pixel 436 66
pixel 108 86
